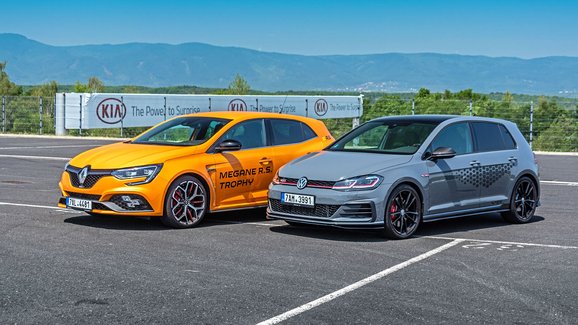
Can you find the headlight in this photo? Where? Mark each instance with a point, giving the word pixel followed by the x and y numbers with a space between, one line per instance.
pixel 367 182
pixel 138 172
pixel 275 180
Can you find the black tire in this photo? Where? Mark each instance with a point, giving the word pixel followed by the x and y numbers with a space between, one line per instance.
pixel 185 203
pixel 403 213
pixel 523 202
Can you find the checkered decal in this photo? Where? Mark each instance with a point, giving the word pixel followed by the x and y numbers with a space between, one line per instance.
pixel 482 176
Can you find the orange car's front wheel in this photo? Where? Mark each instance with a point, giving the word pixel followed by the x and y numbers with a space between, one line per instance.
pixel 185 203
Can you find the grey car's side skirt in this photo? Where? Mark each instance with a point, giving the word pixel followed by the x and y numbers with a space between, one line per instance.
pixel 460 214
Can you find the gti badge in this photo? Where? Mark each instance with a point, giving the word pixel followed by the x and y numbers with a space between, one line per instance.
pixel 82 175
pixel 302 183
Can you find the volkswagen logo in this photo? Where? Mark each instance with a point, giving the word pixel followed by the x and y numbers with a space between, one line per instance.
pixel 82 175
pixel 302 183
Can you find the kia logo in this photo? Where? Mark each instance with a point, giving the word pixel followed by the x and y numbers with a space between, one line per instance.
pixel 111 111
pixel 237 105
pixel 302 183
pixel 321 107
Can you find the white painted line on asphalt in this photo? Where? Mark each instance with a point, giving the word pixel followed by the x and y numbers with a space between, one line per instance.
pixel 357 285
pixel 552 153
pixel 35 157
pixel 38 206
pixel 501 242
pixel 63 137
pixel 559 183
pixel 52 147
pixel 264 223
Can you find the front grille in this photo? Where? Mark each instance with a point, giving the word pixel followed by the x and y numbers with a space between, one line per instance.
pixel 99 206
pixel 88 182
pixel 92 176
pixel 320 210
pixel 92 197
pixel 310 182
pixel 121 202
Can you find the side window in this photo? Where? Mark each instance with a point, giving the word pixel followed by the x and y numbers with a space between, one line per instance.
pixel 456 136
pixel 488 136
pixel 251 134
pixel 289 131
pixel 509 142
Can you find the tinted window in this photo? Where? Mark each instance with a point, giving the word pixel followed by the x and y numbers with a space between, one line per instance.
pixel 507 138
pixel 251 134
pixel 288 131
pixel 488 136
pixel 394 137
pixel 456 136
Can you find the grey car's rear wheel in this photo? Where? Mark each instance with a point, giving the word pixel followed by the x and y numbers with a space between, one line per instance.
pixel 523 202
pixel 403 212
pixel 185 203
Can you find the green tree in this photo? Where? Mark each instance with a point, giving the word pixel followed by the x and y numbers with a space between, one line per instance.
pixel 95 85
pixel 79 87
pixel 423 93
pixel 48 89
pixel 7 87
pixel 239 86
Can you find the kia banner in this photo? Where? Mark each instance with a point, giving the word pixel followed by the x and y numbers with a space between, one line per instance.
pixel 137 110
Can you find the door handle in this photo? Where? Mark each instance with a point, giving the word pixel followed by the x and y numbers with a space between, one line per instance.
pixel 513 159
pixel 475 163
pixel 265 161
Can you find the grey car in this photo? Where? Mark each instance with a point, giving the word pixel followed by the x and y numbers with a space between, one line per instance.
pixel 395 172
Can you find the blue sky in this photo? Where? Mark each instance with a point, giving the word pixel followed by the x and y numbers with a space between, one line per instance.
pixel 526 29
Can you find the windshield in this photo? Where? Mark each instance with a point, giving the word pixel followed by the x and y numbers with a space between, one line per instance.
pixel 183 131
pixel 391 137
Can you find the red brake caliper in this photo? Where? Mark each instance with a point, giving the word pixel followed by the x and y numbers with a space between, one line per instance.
pixel 392 210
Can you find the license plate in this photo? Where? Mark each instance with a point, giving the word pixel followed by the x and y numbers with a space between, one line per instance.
pixel 78 204
pixel 298 199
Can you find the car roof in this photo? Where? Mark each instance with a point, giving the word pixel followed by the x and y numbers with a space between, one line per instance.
pixel 248 115
pixel 417 118
pixel 437 119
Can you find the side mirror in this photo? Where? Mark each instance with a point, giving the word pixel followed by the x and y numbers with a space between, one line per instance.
pixel 442 153
pixel 228 145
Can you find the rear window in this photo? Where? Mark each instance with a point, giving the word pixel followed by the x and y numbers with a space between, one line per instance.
pixel 490 137
pixel 509 142
pixel 289 131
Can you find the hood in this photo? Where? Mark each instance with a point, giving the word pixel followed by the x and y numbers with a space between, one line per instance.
pixel 122 155
pixel 337 165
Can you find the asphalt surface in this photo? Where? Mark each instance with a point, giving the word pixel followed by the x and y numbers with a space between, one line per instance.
pixel 63 266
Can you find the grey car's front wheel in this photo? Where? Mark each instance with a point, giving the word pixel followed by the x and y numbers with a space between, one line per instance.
pixel 185 203
pixel 523 202
pixel 403 212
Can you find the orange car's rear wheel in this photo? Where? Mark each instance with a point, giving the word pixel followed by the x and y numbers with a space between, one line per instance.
pixel 185 203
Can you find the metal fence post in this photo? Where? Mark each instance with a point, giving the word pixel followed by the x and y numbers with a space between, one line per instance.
pixel 3 114
pixel 306 107
pixel 412 107
pixel 40 113
pixel 122 118
pixel 165 108
pixel 471 108
pixel 531 123
pixel 80 120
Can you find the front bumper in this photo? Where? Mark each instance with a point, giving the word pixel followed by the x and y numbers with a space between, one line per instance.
pixel 109 195
pixel 355 209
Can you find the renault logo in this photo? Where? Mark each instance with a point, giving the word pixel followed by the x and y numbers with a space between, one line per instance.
pixel 302 183
pixel 82 175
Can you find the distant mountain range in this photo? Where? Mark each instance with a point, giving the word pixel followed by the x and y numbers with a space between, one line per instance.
pixel 31 62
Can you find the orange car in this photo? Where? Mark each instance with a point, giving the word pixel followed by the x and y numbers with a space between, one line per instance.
pixel 190 165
